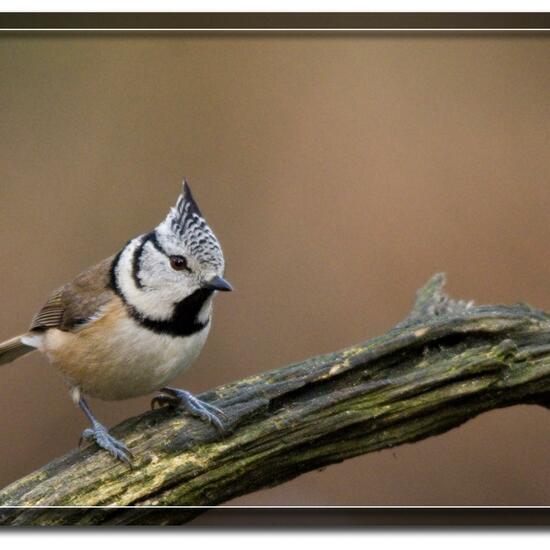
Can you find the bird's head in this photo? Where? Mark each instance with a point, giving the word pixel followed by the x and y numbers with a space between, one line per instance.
pixel 180 259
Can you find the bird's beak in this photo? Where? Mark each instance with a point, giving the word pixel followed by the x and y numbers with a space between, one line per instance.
pixel 217 283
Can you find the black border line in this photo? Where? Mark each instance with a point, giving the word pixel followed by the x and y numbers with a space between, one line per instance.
pixel 274 21
pixel 311 517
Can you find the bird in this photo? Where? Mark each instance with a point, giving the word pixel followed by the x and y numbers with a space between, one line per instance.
pixel 133 322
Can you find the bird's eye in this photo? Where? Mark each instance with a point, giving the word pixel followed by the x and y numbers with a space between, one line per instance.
pixel 178 263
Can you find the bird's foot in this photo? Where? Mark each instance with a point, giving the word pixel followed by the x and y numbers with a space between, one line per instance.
pixel 183 400
pixel 105 440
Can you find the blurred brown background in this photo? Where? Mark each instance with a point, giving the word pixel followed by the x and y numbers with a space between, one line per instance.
pixel 339 173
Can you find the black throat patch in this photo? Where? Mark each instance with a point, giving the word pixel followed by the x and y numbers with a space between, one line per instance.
pixel 184 320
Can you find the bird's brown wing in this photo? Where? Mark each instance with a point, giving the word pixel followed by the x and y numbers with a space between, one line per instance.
pixel 51 315
pixel 74 304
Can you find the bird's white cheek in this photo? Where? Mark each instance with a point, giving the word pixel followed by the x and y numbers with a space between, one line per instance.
pixel 156 303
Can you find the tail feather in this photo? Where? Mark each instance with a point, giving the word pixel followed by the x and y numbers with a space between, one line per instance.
pixel 11 349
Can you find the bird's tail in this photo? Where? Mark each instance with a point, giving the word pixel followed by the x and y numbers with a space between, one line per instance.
pixel 11 349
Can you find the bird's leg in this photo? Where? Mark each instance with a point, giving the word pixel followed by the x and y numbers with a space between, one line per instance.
pixel 98 433
pixel 183 400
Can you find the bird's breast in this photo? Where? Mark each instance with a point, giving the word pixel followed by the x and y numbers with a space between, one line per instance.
pixel 116 358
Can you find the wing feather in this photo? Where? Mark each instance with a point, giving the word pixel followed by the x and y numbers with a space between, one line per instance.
pixel 75 304
pixel 51 315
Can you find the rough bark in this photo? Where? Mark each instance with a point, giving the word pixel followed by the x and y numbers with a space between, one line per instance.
pixel 446 363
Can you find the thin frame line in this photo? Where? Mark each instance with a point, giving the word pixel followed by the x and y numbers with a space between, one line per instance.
pixel 294 29
pixel 289 506
pixel 272 30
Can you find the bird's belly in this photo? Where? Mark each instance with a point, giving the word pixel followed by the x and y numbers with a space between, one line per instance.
pixel 125 361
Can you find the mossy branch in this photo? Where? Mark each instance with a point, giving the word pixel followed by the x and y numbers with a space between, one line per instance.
pixel 446 363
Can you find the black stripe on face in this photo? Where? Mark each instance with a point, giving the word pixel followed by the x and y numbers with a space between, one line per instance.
pixel 138 252
pixel 184 320
pixel 136 263
pixel 113 280
pixel 152 237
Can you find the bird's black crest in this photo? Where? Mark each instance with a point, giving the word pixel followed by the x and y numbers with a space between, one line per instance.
pixel 187 211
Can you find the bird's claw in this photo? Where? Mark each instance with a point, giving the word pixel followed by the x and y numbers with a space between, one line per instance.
pixel 105 440
pixel 181 399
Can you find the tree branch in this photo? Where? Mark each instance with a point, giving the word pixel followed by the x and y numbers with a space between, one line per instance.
pixel 446 363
